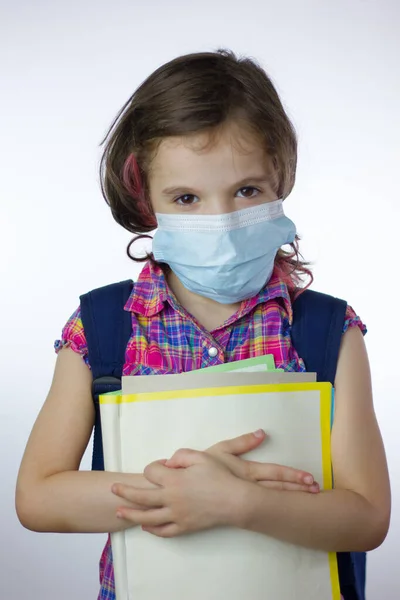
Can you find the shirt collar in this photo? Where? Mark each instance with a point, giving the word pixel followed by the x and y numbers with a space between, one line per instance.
pixel 275 289
pixel 150 293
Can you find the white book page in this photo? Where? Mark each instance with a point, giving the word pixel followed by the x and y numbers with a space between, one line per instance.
pixel 222 563
pixel 199 379
pixel 110 428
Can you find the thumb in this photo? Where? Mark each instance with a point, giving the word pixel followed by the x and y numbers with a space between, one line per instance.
pixel 240 445
pixel 184 458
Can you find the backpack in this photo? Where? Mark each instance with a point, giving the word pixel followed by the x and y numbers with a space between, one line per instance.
pixel 316 334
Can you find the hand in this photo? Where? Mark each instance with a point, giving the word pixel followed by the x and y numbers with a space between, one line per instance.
pixel 208 495
pixel 202 494
pixel 269 475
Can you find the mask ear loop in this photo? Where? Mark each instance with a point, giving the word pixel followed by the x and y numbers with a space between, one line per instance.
pixel 147 256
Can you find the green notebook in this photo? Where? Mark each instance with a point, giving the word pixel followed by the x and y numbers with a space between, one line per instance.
pixel 259 364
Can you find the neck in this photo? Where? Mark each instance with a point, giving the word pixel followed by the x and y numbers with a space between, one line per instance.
pixel 209 313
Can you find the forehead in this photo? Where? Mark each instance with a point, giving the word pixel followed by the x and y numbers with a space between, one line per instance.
pixel 230 149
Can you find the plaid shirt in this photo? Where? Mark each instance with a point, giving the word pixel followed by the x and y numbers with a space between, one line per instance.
pixel 167 339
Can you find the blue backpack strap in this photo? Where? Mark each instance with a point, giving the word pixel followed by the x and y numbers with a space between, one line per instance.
pixel 108 328
pixel 316 334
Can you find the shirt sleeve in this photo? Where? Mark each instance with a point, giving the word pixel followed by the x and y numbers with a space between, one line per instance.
pixel 353 320
pixel 73 336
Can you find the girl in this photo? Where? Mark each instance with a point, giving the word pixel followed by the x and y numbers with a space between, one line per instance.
pixel 204 144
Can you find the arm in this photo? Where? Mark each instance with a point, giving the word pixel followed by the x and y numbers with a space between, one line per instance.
pixel 355 515
pixel 52 495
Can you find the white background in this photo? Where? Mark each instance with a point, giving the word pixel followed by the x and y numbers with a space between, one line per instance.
pixel 67 68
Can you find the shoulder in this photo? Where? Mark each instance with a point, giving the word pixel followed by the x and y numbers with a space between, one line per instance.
pixel 96 306
pixel 353 320
pixel 320 306
pixel 109 289
pixel 73 336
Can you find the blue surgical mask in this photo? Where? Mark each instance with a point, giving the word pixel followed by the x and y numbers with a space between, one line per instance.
pixel 228 257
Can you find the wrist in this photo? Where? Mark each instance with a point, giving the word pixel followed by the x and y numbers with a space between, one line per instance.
pixel 239 503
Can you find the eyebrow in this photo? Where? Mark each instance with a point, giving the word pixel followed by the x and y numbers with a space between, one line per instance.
pixel 179 189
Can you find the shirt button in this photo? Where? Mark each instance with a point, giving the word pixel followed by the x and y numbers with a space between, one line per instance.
pixel 212 352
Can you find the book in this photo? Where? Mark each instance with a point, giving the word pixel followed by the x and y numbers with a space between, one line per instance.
pixel 154 416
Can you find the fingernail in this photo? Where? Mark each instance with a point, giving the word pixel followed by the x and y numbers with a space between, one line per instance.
pixel 259 433
pixel 309 479
pixel 314 487
pixel 119 515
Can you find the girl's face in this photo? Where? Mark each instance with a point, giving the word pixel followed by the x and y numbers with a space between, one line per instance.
pixel 205 175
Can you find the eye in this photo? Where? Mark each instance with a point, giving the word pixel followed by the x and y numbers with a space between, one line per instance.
pixel 186 200
pixel 248 192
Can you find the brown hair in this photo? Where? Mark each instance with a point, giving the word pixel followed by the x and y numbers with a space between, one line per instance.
pixel 190 94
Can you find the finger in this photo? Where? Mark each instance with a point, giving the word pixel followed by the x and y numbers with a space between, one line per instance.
pixel 184 458
pixel 157 473
pixel 165 531
pixel 143 497
pixel 290 487
pixel 146 518
pixel 272 472
pixel 240 445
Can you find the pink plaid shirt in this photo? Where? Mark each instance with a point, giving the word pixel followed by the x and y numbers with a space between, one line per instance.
pixel 167 339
